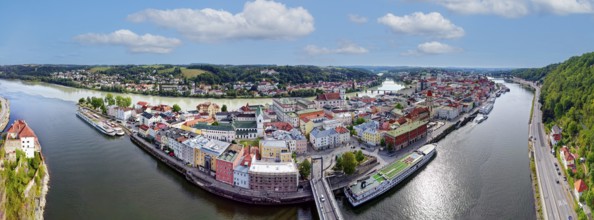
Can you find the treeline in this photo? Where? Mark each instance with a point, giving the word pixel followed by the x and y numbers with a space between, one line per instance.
pixel 568 101
pixel 531 74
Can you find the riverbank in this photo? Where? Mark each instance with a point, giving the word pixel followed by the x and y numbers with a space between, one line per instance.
pixel 208 183
pixel 4 113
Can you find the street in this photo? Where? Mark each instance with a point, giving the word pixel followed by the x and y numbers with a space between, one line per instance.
pixel 556 197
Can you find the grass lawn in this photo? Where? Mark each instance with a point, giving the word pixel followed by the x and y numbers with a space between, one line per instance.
pixel 99 68
pixel 189 73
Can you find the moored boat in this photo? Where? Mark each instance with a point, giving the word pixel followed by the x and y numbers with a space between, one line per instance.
pixel 379 182
pixel 93 120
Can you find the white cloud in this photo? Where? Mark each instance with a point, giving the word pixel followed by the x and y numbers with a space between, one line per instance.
pixel 517 8
pixel 260 19
pixel 564 7
pixel 146 43
pixel 357 19
pixel 418 23
pixel 433 48
pixel 344 48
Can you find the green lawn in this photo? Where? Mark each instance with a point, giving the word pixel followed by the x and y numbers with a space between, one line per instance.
pixel 391 170
pixel 255 142
pixel 189 73
pixel 378 178
pixel 99 68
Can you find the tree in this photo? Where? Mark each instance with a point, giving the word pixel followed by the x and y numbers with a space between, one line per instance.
pixel 305 169
pixel 359 121
pixel 119 100
pixel 109 99
pixel 224 108
pixel 216 123
pixel 127 102
pixel 81 101
pixel 349 163
pixel 104 109
pixel 338 165
pixel 176 108
pixel 96 102
pixel 399 106
pixel 359 156
pixel 383 142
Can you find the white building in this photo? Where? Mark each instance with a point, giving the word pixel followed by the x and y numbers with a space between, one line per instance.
pixel 241 177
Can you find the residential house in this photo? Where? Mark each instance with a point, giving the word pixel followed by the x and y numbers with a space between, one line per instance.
pixel 273 176
pixel 227 161
pixel 555 135
pixel 21 137
pixel 579 187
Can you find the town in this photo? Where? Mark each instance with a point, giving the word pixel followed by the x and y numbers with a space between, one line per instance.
pixel 271 148
pixel 201 82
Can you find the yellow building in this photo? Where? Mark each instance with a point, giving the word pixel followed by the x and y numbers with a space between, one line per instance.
pixel 274 149
pixel 372 136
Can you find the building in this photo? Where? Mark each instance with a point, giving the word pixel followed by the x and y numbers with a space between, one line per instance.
pixel 324 139
pixel 567 157
pixel 361 128
pixel 447 112
pixel 579 187
pixel 222 132
pixel 148 119
pixel 555 135
pixel 141 105
pixel 295 140
pixel 273 176
pixel 406 134
pixel 226 163
pixel 285 109
pixel 335 99
pixel 209 108
pixel 21 137
pixel 276 150
pixel 372 136
pixel 209 151
pixel 241 176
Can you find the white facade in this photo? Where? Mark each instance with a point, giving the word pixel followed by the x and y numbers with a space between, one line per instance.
pixel 241 177
pixel 28 146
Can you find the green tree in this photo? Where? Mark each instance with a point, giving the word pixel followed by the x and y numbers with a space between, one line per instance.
pixel 109 99
pixel 383 142
pixel 224 108
pixel 359 121
pixel 338 165
pixel 216 123
pixel 96 102
pixel 359 156
pixel 399 106
pixel 81 101
pixel 127 102
pixel 176 108
pixel 119 101
pixel 349 163
pixel 305 169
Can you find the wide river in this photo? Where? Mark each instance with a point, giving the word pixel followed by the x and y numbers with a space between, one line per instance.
pixel 480 172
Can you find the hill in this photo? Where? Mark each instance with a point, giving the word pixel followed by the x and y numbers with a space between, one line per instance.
pixel 568 101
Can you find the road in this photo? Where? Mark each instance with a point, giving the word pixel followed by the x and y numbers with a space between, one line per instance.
pixel 327 208
pixel 556 197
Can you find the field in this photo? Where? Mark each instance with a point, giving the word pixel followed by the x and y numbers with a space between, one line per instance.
pixel 250 142
pixel 391 170
pixel 99 68
pixel 189 73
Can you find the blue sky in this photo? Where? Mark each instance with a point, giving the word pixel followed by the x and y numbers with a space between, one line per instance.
pixel 445 33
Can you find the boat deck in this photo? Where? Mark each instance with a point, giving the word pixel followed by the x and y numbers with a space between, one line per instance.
pixel 389 172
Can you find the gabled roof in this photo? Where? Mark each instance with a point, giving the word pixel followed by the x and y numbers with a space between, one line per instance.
pixel 556 129
pixel 580 186
pixel 21 129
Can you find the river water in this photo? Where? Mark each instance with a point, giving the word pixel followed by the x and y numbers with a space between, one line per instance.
pixel 480 172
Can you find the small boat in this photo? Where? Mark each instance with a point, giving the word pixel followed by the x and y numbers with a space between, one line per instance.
pixel 480 118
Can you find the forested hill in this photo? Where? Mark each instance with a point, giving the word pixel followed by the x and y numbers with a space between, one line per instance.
pixel 568 101
pixel 203 73
pixel 533 74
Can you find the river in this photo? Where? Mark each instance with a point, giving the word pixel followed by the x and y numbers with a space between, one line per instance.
pixel 74 94
pixel 480 172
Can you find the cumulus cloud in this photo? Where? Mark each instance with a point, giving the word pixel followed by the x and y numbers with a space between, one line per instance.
pixel 357 19
pixel 135 43
pixel 260 19
pixel 433 48
pixel 517 8
pixel 432 24
pixel 344 48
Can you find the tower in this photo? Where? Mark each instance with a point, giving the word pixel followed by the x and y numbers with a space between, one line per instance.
pixel 430 102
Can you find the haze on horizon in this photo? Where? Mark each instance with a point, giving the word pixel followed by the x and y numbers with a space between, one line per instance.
pixel 444 33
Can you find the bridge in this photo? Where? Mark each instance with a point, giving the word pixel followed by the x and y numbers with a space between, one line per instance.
pixel 322 193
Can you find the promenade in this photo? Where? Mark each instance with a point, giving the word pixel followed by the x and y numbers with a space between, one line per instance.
pixel 210 184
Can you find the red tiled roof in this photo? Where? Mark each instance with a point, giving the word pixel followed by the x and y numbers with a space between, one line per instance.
pixel 328 96
pixel 141 103
pixel 580 185
pixel 21 129
pixel 143 127
pixel 341 130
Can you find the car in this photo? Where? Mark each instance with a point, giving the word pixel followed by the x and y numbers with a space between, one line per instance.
pixel 559 173
pixel 555 164
pixel 557 181
pixel 322 198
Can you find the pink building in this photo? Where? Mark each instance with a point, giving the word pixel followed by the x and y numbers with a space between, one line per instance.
pixel 227 161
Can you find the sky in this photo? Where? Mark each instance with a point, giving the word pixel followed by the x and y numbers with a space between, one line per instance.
pixel 432 33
